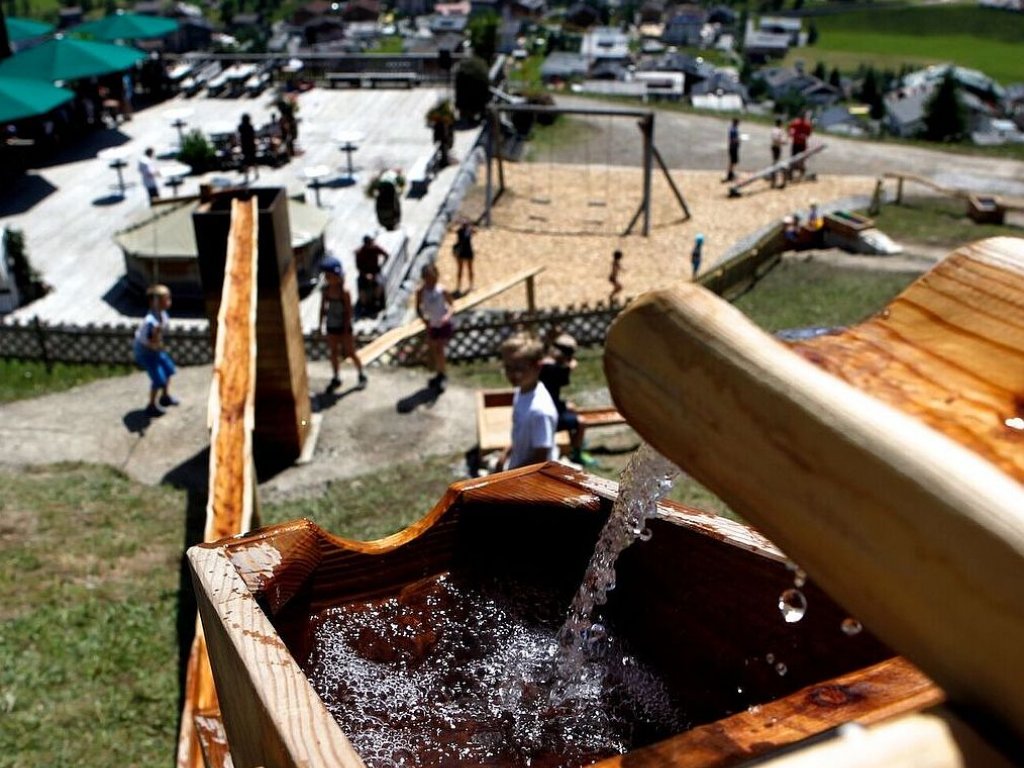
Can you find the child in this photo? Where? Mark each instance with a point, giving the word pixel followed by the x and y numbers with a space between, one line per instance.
pixel 613 278
pixel 555 370
pixel 463 250
pixel 336 320
pixel 696 254
pixel 434 307
pixel 534 416
pixel 149 352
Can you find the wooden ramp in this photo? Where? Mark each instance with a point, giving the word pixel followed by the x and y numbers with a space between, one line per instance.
pixel 231 506
pixel 901 495
pixel 395 336
pixel 785 167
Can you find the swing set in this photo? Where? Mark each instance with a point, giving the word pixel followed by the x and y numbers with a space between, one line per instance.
pixel 541 198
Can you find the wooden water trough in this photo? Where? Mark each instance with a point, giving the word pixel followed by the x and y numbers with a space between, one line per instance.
pixel 698 602
pixel 918 536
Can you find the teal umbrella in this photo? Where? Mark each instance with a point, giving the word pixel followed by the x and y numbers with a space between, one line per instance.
pixel 127 26
pixel 27 98
pixel 26 29
pixel 64 58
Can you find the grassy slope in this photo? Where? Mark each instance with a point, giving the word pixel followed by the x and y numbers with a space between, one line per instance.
pixel 23 379
pixel 970 36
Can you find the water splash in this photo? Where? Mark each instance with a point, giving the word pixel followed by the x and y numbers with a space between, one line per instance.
pixel 792 605
pixel 851 626
pixel 644 482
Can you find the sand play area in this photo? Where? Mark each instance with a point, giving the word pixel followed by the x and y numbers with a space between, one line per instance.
pixel 569 219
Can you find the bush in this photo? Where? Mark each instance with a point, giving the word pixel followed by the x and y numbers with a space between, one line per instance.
pixel 29 283
pixel 196 151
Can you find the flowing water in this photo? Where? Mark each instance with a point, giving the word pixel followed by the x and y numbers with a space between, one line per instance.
pixel 450 673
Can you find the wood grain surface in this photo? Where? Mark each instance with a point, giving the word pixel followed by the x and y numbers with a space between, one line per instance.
pixel 916 535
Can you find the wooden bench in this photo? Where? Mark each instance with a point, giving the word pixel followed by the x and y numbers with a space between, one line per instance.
pixel 373 79
pixel 420 174
pixel 494 420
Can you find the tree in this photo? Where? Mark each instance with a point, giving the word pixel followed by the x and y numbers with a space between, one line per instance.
pixel 472 88
pixel 835 79
pixel 483 35
pixel 812 33
pixel 819 70
pixel 944 116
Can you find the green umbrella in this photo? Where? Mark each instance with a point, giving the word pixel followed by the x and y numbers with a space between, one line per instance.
pixel 127 26
pixel 26 29
pixel 27 98
pixel 63 58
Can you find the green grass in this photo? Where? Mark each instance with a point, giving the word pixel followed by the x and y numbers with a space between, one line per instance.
pixel 376 504
pixel 981 38
pixel 88 648
pixel 937 222
pixel 806 294
pixel 24 379
pixel 565 131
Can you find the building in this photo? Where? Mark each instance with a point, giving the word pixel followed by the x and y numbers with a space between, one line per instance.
pixel 760 47
pixel 786 82
pixel 605 44
pixel 781 25
pixel 684 26
pixel 561 66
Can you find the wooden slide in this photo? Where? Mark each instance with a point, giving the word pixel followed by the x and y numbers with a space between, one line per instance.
pixel 231 506
pixel 886 460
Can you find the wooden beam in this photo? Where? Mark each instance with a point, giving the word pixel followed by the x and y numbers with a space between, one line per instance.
pixel 919 537
pixel 780 167
pixel 387 340
pixel 231 417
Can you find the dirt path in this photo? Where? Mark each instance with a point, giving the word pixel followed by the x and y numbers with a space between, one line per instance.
pixel 103 422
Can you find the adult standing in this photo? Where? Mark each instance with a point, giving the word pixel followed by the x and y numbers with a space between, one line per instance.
pixel 734 149
pixel 799 132
pixel 370 258
pixel 778 140
pixel 149 172
pixel 247 143
pixel 463 250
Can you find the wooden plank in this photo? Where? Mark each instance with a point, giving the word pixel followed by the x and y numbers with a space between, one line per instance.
pixel 387 340
pixel 600 417
pixel 213 739
pixel 934 739
pixel 494 420
pixel 231 416
pixel 272 716
pixel 783 166
pixel 1008 203
pixel 883 511
pixel 884 690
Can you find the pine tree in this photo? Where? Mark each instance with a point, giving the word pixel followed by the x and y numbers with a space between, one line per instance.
pixel 835 79
pixel 820 71
pixel 944 116
pixel 812 34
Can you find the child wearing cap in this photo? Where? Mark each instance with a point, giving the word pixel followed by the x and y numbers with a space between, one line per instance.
pixel 555 370
pixel 336 321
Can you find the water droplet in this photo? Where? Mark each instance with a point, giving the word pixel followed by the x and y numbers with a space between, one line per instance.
pixel 799 578
pixel 851 626
pixel 769 658
pixel 645 534
pixel 739 689
pixel 781 669
pixel 1015 423
pixel 792 605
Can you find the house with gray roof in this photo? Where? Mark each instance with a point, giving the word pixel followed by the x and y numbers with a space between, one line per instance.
pixel 562 66
pixel 684 26
pixel 759 47
pixel 782 82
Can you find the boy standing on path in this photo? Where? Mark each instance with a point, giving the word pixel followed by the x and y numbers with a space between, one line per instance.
pixel 696 255
pixel 534 415
pixel 434 308
pixel 149 352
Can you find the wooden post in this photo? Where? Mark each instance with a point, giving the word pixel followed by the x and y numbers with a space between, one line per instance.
pixel 919 537
pixel 531 303
pixel 899 190
pixel 647 126
pixel 37 325
pixel 492 118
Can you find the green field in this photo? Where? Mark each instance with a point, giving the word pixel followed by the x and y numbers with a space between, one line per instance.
pixel 980 38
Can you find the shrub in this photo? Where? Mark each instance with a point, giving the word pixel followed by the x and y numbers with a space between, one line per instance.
pixel 196 151
pixel 472 88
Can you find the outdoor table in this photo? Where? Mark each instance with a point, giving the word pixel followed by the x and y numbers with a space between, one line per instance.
pixel 349 143
pixel 179 119
pixel 315 175
pixel 175 174
pixel 117 159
